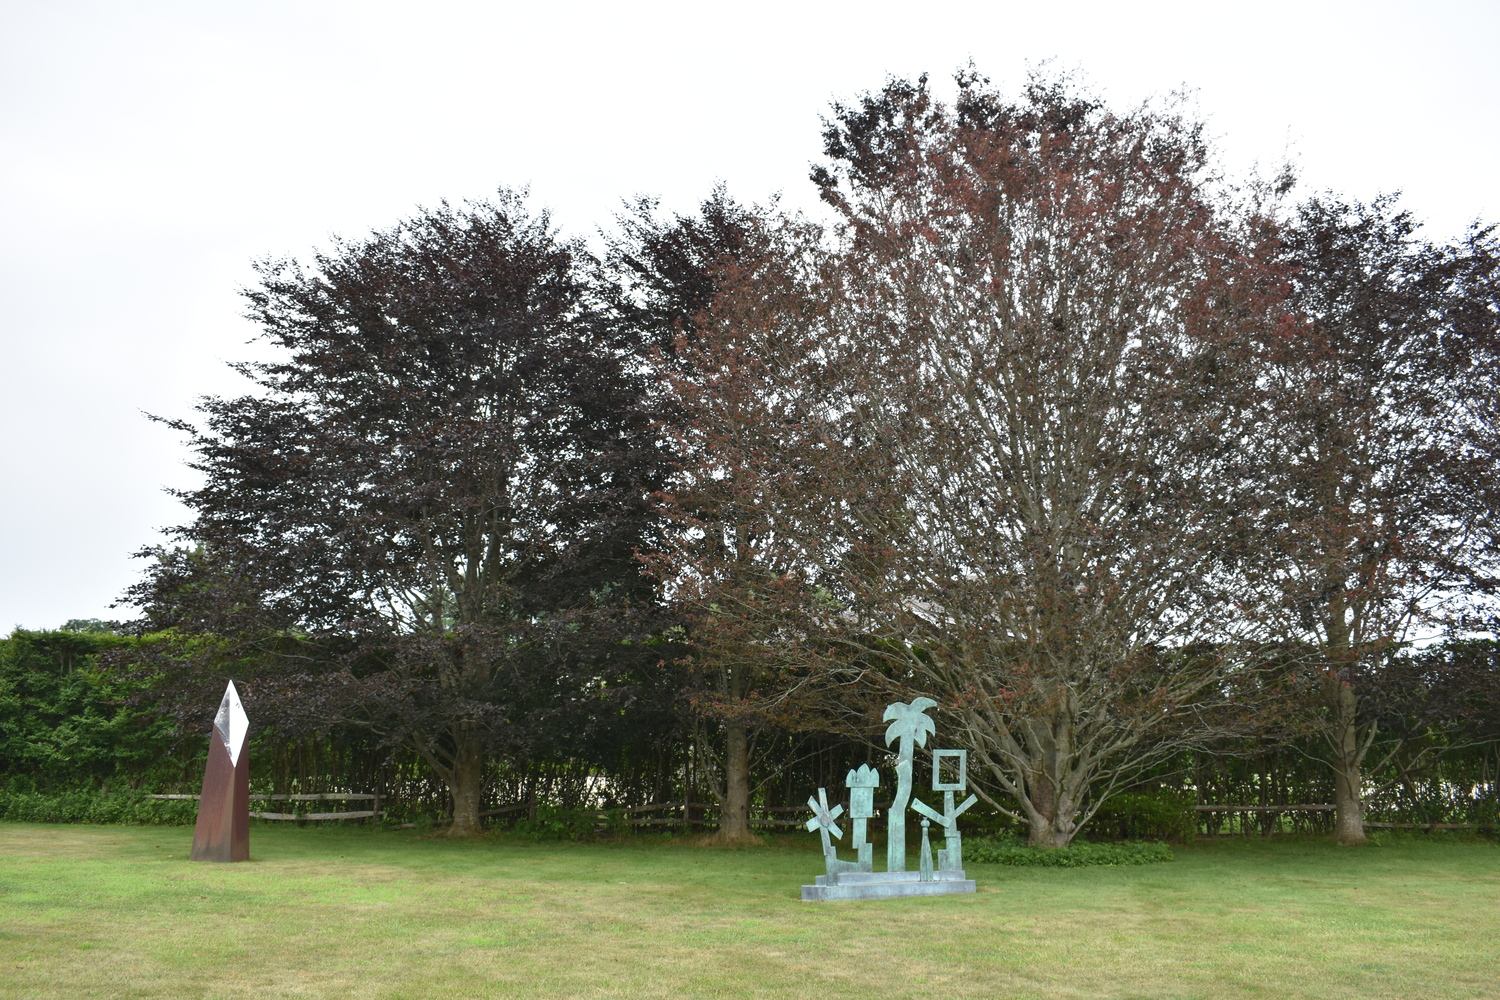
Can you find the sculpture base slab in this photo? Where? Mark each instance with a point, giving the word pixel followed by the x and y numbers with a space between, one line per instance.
pixel 886 885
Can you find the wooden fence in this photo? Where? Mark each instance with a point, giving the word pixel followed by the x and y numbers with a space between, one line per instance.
pixel 1326 807
pixel 1317 807
pixel 371 797
pixel 687 815
pixel 682 815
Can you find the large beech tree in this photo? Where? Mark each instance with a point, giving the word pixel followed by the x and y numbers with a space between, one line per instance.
pixel 713 547
pixel 442 476
pixel 1382 464
pixel 1001 431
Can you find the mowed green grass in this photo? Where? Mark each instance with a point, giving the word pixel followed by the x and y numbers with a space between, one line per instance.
pixel 121 912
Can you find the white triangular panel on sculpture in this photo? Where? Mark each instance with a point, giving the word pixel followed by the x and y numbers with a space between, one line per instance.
pixel 231 723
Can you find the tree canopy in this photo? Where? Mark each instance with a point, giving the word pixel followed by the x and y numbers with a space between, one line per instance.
pixel 1113 459
pixel 442 481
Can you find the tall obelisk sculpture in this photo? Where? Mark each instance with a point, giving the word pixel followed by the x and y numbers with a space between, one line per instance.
pixel 223 830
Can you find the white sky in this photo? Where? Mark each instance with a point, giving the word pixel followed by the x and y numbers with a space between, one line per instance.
pixel 150 151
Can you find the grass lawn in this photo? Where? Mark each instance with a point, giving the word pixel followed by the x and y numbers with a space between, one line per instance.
pixel 90 911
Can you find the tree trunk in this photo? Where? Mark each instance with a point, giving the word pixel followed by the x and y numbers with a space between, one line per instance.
pixel 466 785
pixel 1348 798
pixel 1047 826
pixel 1049 813
pixel 1343 731
pixel 734 806
pixel 1049 833
pixel 734 810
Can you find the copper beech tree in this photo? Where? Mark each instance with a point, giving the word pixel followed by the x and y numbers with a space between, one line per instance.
pixel 996 430
pixel 1383 468
pixel 723 558
pixel 432 501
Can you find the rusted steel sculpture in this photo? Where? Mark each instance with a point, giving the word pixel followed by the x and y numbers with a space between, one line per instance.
pixel 223 829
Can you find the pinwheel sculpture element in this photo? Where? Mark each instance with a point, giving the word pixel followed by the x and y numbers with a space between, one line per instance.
pixel 824 821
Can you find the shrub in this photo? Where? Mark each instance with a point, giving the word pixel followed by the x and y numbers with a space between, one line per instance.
pixel 68 721
pixel 1080 854
pixel 136 808
pixel 553 823
pixel 1159 816
pixel 617 824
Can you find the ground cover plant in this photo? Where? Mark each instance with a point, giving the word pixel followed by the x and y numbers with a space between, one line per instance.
pixel 1078 854
pixel 348 912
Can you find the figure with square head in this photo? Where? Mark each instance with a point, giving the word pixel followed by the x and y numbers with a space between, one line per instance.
pixel 951 856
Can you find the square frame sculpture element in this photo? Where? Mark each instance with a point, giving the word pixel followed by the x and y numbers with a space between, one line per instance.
pixel 962 783
pixel 222 832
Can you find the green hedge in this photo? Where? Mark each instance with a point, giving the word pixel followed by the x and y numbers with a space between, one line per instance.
pixel 1131 816
pixel 135 808
pixel 1080 854
pixel 69 720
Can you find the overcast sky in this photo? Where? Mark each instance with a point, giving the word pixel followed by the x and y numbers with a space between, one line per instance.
pixel 149 152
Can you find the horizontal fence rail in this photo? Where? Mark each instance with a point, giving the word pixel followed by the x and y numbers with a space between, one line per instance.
pixel 686 815
pixel 683 815
pixel 360 814
pixel 373 797
pixel 1315 807
pixel 309 797
pixel 1323 807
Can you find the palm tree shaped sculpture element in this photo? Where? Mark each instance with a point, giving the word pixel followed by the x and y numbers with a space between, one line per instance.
pixel 909 724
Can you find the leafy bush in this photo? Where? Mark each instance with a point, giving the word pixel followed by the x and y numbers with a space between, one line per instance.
pixel 95 807
pixel 1160 816
pixel 1080 854
pixel 553 823
pixel 67 721
pixel 617 824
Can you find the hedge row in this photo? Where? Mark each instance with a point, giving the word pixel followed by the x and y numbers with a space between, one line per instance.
pixel 135 808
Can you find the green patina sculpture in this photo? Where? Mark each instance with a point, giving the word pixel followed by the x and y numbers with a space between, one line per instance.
pixel 909 728
pixel 910 724
pixel 825 822
pixel 862 783
pixel 924 865
pixel 951 857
